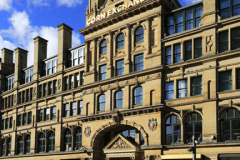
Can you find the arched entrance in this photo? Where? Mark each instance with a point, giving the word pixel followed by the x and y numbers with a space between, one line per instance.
pixel 119 141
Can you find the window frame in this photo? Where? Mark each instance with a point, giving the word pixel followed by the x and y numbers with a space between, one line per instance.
pixel 118 40
pixel 69 139
pixel 195 86
pixel 223 43
pixel 119 68
pixel 177 54
pixel 101 72
pixel 78 145
pixel 197 49
pixel 221 83
pixel 51 142
pixel 41 143
pixel 20 145
pixel 101 102
pixel 229 9
pixel 173 125
pixel 27 147
pixel 169 91
pixel 137 36
pixel 28 77
pixel 139 63
pixel 52 68
pixel 135 96
pixel 103 47
pixel 118 99
pixel 188 51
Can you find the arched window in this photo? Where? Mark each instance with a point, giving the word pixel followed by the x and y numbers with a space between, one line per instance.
pixel 101 102
pixel 51 142
pixel 20 145
pixel 139 34
pixel 173 130
pixel 230 125
pixel 68 140
pixel 3 147
pixel 78 138
pixel 138 96
pixel 119 99
pixel 41 143
pixel 103 46
pixel 193 126
pixel 9 147
pixel 27 144
pixel 120 40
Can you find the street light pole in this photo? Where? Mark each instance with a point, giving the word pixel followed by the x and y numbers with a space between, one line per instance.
pixel 194 149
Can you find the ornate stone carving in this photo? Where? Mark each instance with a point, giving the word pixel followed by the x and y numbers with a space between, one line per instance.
pixel 87 131
pixel 152 124
pixel 209 43
pixel 59 84
pixel 120 144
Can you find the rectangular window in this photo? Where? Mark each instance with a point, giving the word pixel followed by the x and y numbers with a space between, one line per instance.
pixel 236 7
pixel 40 91
pixel 29 117
pixel 170 25
pixel 196 86
pixel 27 97
pixel 82 78
pixel 179 22
pixel 66 83
pixel 103 72
pixel 10 83
pixel 20 97
pixel 189 19
pixel 54 66
pixel 66 110
pixel 19 120
pixel 44 90
pixel 182 88
pixel 169 90
pixel 23 94
pixel 120 68
pixel 53 113
pixel 168 55
pixel 229 8
pixel 177 53
pixel 7 123
pixel 138 60
pixel 24 119
pixel 55 86
pixel 80 107
pixel 73 109
pixel 225 81
pixel 40 115
pixel 238 78
pixel 3 124
pixel 49 68
pixel 28 75
pixel 188 50
pixel 75 58
pixel 77 80
pixel 30 98
pixel 197 48
pixel 11 121
pixel 223 41
pixel 80 55
pixel 50 88
pixel 47 114
pixel 71 81
pixel 44 69
pixel 224 9
pixel 198 14
pixel 235 34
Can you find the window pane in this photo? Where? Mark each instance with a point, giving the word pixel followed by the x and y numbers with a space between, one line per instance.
pixel 182 88
pixel 139 62
pixel 199 11
pixel 169 90
pixel 188 50
pixel 197 48
pixel 179 20
pixel 170 25
pixel 236 10
pixel 223 38
pixel 235 38
pixel 224 4
pixel 168 55
pixel 120 67
pixel 196 86
pixel 189 17
pixel 225 81
pixel 177 53
pixel 53 113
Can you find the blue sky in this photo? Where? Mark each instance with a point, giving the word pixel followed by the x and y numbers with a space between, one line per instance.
pixel 22 20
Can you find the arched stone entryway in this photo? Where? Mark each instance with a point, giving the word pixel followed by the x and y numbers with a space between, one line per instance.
pixel 103 136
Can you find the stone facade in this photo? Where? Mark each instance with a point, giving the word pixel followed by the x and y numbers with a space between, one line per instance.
pixel 71 109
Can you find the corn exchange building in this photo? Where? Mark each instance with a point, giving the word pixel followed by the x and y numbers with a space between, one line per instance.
pixel 151 75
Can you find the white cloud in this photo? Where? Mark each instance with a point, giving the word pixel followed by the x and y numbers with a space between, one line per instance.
pixel 38 2
pixel 21 34
pixel 5 4
pixel 6 44
pixel 187 2
pixel 69 3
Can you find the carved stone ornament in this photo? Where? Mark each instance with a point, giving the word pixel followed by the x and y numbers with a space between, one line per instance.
pixel 152 124
pixel 120 144
pixel 87 131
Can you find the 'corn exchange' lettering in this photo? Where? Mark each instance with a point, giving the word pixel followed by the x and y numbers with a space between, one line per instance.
pixel 114 11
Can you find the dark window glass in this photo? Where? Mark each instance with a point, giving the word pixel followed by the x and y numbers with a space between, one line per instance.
pixel 173 130
pixel 235 38
pixel 80 107
pixel 9 147
pixel 199 12
pixel 224 9
pixel 196 86
pixel 138 62
pixel 41 143
pixel 188 50
pixel 66 110
pixel 193 127
pixel 82 78
pixel 120 40
pixel 189 19
pixel 27 97
pixel 238 78
pixel 168 55
pixel 47 114
pixel 78 138
pixel 55 87
pixel 75 58
pixel 101 102
pixel 138 96
pixel 230 125
pixel 77 80
pixel 20 145
pixel 27 147
pixel 182 88
pixel 7 123
pixel 45 90
pixel 30 98
pixel 20 97
pixel 51 142
pixel 225 81
pixel 120 68
pixel 19 120
pixel 119 99
pixel 24 118
pixel 177 53
pixel 73 109
pixel 103 47
pixel 29 117
pixel 103 72
pixel 3 147
pixel 3 124
pixel 197 48
pixel 170 26
pixel 179 22
pixel 71 81
pixel 11 120
pixel 169 90
pixel 40 115
pixel 68 140
pixel 40 91
pixel 66 83
pixel 50 88
pixel 236 7
pixel 53 114
pixel 139 34
pixel 223 41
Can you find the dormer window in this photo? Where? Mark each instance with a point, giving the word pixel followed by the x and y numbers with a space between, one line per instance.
pixel 50 66
pixel 76 57
pixel 9 83
pixel 29 75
